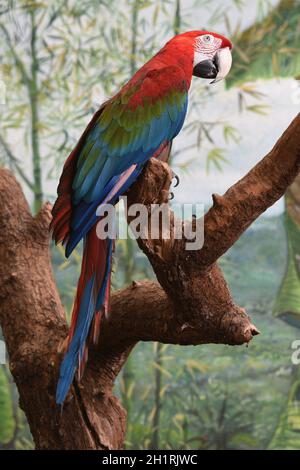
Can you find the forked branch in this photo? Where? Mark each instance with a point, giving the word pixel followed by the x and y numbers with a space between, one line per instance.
pixel 190 304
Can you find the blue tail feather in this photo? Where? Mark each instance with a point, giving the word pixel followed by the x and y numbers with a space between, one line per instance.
pixel 88 306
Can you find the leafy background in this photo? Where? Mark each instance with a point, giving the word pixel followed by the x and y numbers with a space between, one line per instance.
pixel 58 61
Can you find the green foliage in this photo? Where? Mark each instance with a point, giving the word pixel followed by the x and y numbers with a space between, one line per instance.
pixel 216 158
pixel 14 430
pixel 7 422
pixel 287 434
pixel 287 304
pixel 269 47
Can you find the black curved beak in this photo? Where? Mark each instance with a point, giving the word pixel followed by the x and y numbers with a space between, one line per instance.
pixel 206 69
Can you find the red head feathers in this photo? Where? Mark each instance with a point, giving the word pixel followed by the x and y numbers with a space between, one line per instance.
pixel 200 53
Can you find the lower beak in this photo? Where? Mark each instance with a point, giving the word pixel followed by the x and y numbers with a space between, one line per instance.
pixel 216 68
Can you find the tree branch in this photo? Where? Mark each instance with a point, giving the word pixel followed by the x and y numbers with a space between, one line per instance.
pixel 246 200
pixel 232 213
pixel 191 305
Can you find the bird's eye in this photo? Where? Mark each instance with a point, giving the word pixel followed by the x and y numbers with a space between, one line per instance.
pixel 208 39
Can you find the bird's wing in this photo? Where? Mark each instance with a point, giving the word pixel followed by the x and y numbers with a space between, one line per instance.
pixel 129 130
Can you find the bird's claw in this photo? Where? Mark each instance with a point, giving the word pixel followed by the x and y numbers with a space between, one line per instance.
pixel 171 196
pixel 177 179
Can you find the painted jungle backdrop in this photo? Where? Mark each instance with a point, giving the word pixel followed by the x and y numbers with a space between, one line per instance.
pixel 58 61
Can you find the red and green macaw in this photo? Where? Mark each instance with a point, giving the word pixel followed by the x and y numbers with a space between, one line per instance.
pixel 139 122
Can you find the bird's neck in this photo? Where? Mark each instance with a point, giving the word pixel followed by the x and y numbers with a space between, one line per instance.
pixel 177 55
pixel 170 55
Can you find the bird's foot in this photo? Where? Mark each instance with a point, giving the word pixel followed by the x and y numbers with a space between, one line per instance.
pixel 177 181
pixel 176 178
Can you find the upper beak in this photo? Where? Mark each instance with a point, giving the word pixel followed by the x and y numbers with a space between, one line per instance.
pixel 223 60
pixel 216 68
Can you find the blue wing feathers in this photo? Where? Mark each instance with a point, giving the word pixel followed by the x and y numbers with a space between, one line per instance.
pixel 85 213
pixel 91 187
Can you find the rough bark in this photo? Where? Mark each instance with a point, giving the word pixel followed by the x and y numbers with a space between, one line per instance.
pixel 190 305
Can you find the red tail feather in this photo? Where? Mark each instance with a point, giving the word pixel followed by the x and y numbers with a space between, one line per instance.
pixel 93 262
pixel 62 209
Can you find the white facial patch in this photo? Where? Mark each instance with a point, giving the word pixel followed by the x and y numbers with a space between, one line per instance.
pixel 206 47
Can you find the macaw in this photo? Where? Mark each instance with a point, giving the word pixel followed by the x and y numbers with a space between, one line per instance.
pixel 138 123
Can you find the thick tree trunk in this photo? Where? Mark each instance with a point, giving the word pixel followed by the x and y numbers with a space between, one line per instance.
pixel 33 323
pixel 191 305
